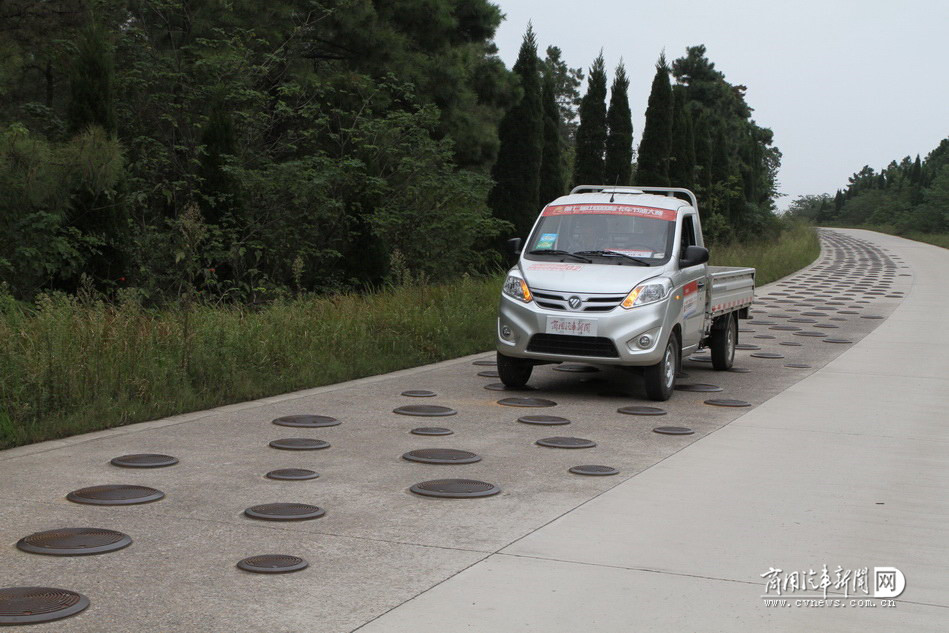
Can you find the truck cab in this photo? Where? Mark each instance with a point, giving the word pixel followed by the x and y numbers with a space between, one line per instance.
pixel 612 276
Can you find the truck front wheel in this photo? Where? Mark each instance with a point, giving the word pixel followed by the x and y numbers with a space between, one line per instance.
pixel 660 379
pixel 723 340
pixel 514 372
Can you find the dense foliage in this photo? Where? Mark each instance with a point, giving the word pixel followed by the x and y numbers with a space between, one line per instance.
pixel 618 163
pixel 907 197
pixel 245 148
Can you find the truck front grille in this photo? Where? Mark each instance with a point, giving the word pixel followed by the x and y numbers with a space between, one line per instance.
pixel 569 345
pixel 589 303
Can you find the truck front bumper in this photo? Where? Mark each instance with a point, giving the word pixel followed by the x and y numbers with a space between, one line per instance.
pixel 621 328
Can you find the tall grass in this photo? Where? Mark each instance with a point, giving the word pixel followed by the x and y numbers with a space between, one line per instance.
pixel 795 248
pixel 70 366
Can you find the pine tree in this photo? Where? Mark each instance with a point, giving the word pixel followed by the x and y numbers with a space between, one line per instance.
pixel 838 201
pixel 90 84
pixel 619 142
pixel 516 173
pixel 551 168
pixel 703 156
pixel 655 148
pixel 682 162
pixel 591 134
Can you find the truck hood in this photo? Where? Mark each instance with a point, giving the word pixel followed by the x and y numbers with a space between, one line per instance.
pixel 585 278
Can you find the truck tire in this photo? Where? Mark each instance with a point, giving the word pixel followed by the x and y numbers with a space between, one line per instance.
pixel 660 379
pixel 723 340
pixel 514 372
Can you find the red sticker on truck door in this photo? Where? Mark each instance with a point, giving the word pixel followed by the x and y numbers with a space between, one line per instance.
pixel 690 298
pixel 668 215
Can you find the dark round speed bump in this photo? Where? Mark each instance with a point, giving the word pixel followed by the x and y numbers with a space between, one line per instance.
pixel 698 387
pixel 32 605
pixel 489 373
pixel 544 420
pixel 565 442
pixel 292 474
pixel 431 430
pixel 579 369
pixel 785 328
pixel 746 346
pixel 827 326
pixel 636 410
pixel 767 355
pixel 673 430
pixel 811 334
pixel 485 363
pixel 594 470
pixel 526 402
pixel 144 460
pixel 273 564
pixel 455 488
pixel 285 512
pixel 802 320
pixel 797 365
pixel 836 340
pixel 424 410
pixel 871 316
pixel 726 402
pixel 739 370
pixel 441 456
pixel 419 393
pixel 307 421
pixel 299 444
pixel 500 386
pixel 764 336
pixel 791 343
pixel 115 495
pixel 74 542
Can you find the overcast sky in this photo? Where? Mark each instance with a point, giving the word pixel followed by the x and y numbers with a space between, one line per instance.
pixel 842 83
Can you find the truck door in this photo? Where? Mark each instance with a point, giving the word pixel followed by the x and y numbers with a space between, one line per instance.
pixel 691 286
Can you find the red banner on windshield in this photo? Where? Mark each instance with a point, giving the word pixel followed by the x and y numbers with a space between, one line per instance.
pixel 611 209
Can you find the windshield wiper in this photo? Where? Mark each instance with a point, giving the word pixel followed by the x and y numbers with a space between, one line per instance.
pixel 549 251
pixel 630 257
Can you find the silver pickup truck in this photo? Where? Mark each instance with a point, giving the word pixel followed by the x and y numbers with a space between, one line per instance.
pixel 619 276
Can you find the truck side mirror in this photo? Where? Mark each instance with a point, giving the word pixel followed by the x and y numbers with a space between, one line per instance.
pixel 694 255
pixel 514 248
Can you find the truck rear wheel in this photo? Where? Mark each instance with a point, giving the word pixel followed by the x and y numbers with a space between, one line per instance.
pixel 723 340
pixel 514 372
pixel 660 379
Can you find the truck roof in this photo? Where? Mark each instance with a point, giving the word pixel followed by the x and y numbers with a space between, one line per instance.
pixel 623 197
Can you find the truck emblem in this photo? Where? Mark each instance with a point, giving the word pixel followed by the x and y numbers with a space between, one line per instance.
pixel 574 303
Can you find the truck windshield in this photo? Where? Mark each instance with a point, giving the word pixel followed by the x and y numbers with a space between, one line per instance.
pixel 641 232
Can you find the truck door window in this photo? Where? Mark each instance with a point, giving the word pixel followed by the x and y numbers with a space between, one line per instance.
pixel 688 234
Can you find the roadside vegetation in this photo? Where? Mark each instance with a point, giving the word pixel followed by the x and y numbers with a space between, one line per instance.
pixel 794 248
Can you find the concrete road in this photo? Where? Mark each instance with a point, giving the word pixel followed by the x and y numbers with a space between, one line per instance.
pixel 842 463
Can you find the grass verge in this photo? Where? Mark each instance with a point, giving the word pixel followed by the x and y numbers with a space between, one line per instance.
pixel 796 247
pixel 71 367
pixel 936 239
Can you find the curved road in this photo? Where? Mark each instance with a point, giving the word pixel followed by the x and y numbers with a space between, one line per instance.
pixel 842 463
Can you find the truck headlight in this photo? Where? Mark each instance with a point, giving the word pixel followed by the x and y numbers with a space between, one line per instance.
pixel 647 292
pixel 516 287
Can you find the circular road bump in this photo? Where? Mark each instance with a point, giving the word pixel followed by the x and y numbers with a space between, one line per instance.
pixel 441 456
pixel 299 444
pixel 726 402
pixel 74 542
pixel 307 421
pixel 431 430
pixel 32 605
pixel 115 495
pixel 489 373
pixel 767 355
pixel 272 564
pixel 284 512
pixel 673 430
pixel 593 470
pixel 836 340
pixel 544 420
pixel 144 460
pixel 485 363
pixel 698 387
pixel 292 474
pixel 455 488
pixel 424 410
pixel 580 369
pixel 566 442
pixel 419 393
pixel 526 402
pixel 746 346
pixel 637 410
pixel 500 386
pixel 797 365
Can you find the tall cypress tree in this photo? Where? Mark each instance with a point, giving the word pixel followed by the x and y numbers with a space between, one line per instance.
pixel 516 173
pixel 703 155
pixel 90 84
pixel 619 142
pixel 551 168
pixel 591 134
pixel 682 161
pixel 655 148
